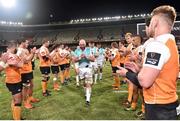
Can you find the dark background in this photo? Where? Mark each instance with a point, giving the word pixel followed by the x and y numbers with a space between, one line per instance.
pixel 45 11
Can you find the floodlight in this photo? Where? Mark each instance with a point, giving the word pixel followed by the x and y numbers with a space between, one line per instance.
pixel 8 3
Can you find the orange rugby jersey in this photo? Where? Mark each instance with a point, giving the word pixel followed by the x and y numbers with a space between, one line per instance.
pixel 27 66
pixel 55 58
pixel 63 60
pixel 13 74
pixel 116 61
pixel 163 90
pixel 44 52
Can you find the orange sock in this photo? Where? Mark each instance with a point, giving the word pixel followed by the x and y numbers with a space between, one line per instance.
pixel 27 101
pixel 133 105
pixel 117 81
pixel 62 77
pixel 17 113
pixel 12 106
pixel 68 73
pixel 143 108
pixel 44 86
pixel 65 74
pixel 130 91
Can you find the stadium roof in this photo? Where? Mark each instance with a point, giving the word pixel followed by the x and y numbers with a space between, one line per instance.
pixel 45 11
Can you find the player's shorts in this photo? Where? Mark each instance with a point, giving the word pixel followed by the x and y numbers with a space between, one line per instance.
pixel 27 77
pixel 100 64
pixel 15 88
pixel 45 70
pixel 94 65
pixel 85 73
pixel 55 69
pixel 68 65
pixel 62 67
pixel 114 69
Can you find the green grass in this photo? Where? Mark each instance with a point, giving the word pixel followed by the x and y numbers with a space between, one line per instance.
pixel 69 102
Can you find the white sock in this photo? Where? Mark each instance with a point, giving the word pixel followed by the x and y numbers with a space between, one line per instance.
pixel 88 94
pixel 77 79
pixel 100 76
pixel 95 78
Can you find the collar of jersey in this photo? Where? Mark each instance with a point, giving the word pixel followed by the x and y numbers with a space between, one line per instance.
pixel 163 38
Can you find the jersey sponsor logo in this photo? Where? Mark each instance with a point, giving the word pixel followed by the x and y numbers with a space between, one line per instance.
pixel 153 58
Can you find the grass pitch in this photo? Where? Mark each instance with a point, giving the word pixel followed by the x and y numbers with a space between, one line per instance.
pixel 69 102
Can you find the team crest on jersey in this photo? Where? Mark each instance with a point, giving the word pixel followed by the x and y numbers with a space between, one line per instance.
pixel 153 58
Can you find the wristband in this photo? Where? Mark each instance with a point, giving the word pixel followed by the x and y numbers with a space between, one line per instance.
pixel 133 78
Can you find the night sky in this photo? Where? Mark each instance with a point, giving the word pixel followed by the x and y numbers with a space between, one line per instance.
pixel 39 11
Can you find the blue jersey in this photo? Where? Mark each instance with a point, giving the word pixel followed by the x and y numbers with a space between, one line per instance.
pixel 93 50
pixel 83 61
pixel 100 52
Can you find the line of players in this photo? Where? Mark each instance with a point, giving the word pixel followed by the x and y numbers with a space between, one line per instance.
pixel 88 65
pixel 18 67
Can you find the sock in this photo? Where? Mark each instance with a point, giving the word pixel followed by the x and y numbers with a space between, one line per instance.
pixel 77 79
pixel 133 105
pixel 17 113
pixel 95 78
pixel 143 108
pixel 62 76
pixel 88 94
pixel 117 81
pixel 68 73
pixel 130 92
pixel 12 106
pixel 65 74
pixel 44 86
pixel 55 84
pixel 100 76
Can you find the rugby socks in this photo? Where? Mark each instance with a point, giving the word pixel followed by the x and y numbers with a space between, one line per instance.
pixel 100 76
pixel 117 82
pixel 95 78
pixel 12 106
pixel 130 92
pixel 62 77
pixel 44 86
pixel 17 112
pixel 68 74
pixel 133 105
pixel 65 73
pixel 77 80
pixel 88 94
pixel 143 108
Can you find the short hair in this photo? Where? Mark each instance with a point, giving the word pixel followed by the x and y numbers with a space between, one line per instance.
pixel 12 43
pixel 147 21
pixel 91 41
pixel 114 44
pixel 82 41
pixel 128 34
pixel 45 40
pixel 98 43
pixel 166 11
pixel 140 38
